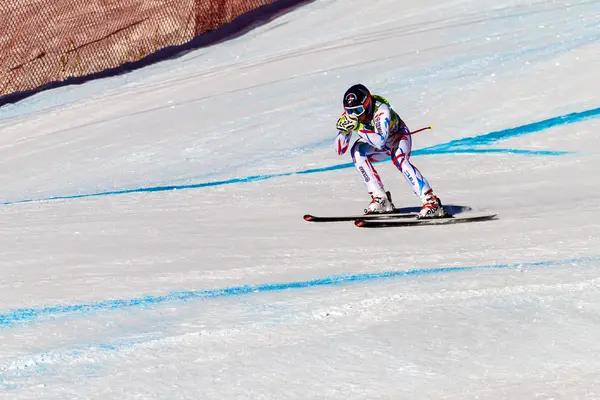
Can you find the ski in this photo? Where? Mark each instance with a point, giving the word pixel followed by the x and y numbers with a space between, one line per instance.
pixel 398 213
pixel 363 217
pixel 450 219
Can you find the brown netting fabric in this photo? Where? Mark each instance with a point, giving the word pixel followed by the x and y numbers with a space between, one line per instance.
pixel 43 41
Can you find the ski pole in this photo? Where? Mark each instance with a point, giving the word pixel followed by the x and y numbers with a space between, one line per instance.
pixel 419 130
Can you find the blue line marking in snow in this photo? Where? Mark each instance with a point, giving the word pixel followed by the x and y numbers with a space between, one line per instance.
pixel 496 136
pixel 460 146
pixel 21 315
pixel 428 151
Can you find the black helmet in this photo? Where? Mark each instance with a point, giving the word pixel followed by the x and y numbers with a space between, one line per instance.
pixel 357 99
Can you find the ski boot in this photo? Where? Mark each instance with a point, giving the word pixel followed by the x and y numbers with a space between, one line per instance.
pixel 432 207
pixel 380 203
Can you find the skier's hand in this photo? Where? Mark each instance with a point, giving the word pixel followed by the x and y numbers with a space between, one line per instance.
pixel 347 123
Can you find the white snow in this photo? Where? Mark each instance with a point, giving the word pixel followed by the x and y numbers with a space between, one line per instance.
pixel 143 294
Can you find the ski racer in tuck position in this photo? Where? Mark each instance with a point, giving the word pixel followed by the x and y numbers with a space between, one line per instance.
pixel 382 134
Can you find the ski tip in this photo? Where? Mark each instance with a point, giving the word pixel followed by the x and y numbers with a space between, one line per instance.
pixel 308 217
pixel 360 223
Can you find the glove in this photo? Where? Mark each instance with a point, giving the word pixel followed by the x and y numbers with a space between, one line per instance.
pixel 347 123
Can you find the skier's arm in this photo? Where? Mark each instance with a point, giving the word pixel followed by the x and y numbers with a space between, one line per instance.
pixel 342 141
pixel 381 121
pixel 345 126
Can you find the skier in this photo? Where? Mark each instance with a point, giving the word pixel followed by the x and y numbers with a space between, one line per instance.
pixel 382 134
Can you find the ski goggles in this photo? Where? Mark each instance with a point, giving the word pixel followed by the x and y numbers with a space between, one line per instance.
pixel 358 110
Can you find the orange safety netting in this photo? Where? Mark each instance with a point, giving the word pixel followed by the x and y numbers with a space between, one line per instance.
pixel 43 41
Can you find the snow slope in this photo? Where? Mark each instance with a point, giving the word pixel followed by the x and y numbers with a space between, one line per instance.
pixel 151 237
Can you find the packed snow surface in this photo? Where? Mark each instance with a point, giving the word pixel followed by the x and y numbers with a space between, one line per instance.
pixel 152 240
